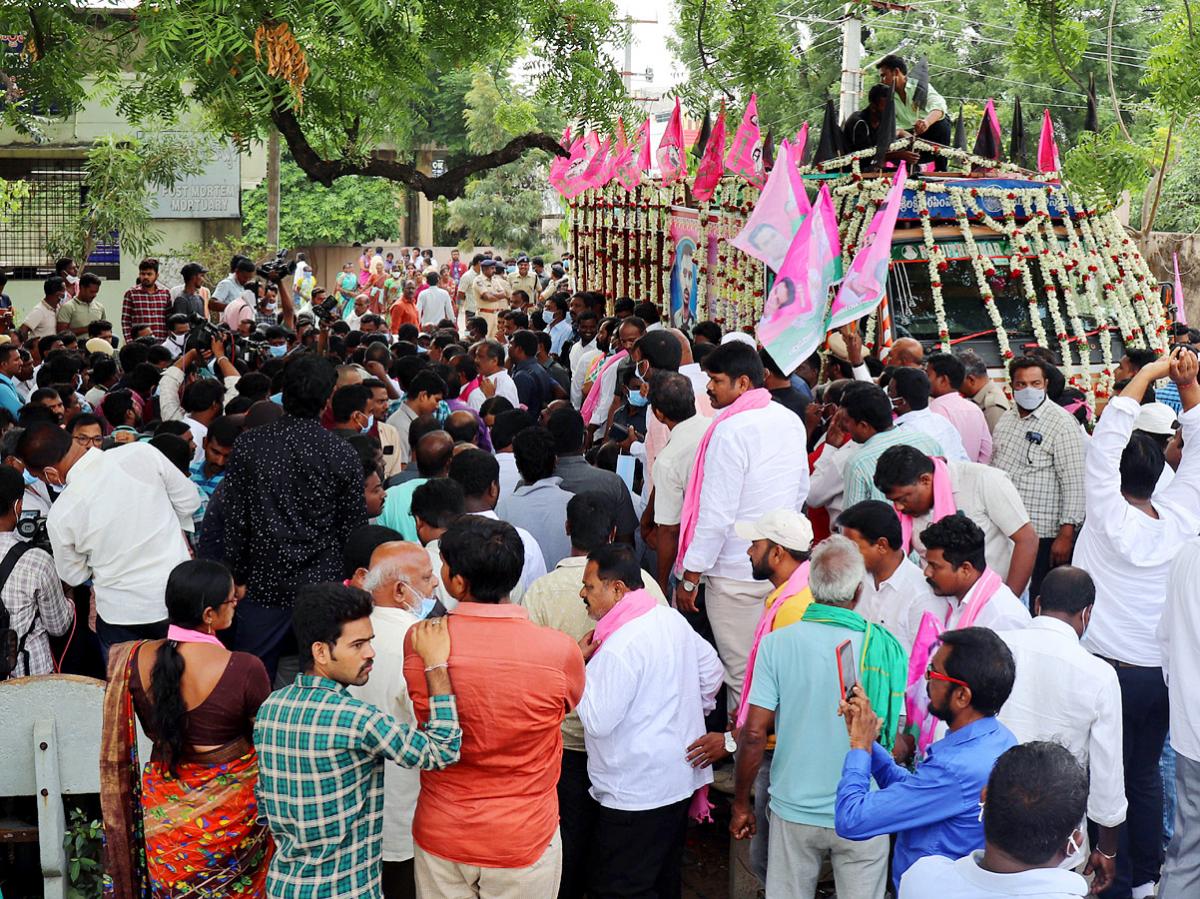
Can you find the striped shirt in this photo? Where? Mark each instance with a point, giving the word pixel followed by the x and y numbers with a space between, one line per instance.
pixel 320 784
pixel 860 467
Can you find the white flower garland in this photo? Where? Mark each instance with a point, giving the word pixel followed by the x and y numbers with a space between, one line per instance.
pixel 937 265
pixel 985 289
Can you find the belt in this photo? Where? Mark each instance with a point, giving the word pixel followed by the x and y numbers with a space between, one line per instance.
pixel 1117 664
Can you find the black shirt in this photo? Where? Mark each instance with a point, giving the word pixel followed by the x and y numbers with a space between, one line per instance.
pixel 534 386
pixel 791 398
pixel 293 494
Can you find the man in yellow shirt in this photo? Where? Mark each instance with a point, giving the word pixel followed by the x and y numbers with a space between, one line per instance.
pixel 493 294
pixel 524 279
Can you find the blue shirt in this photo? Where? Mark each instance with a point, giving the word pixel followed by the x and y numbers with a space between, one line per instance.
pixel 1170 396
pixel 10 399
pixel 397 509
pixel 932 811
pixel 795 675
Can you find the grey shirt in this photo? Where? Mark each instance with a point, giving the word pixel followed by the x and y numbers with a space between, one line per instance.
pixel 541 509
pixel 578 476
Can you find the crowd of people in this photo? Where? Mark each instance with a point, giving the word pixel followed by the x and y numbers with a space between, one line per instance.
pixel 479 590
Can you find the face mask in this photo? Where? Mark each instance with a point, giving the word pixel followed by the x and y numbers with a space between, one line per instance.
pixel 72 279
pixel 547 316
pixel 271 307
pixel 427 603
pixel 1072 846
pixel 1029 398
pixel 277 351
pixel 370 424
pixel 178 339
pixel 637 400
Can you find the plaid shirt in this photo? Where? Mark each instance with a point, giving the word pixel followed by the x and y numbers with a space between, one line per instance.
pixel 207 486
pixel 36 605
pixel 320 783
pixel 1048 473
pixel 145 307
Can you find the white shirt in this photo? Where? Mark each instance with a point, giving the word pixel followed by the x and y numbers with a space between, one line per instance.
pixel 608 389
pixel 937 427
pixel 1002 612
pixel 433 305
pixel 673 468
pixel 509 476
pixel 698 376
pixel 936 876
pixel 505 387
pixel 648 689
pixel 199 432
pixel 387 690
pixel 1179 639
pixel 899 602
pixel 754 465
pixel 989 498
pixel 577 350
pixel 1128 553
pixel 1066 695
pixel 579 369
pixel 534 565
pixel 828 478
pixel 464 287
pixel 120 521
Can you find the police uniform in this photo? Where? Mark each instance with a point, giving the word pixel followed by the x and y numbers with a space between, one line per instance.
pixel 490 309
pixel 528 283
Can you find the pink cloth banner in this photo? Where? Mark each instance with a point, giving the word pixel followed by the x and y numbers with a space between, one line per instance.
pixel 559 165
pixel 866 279
pixel 599 170
pixel 634 158
pixel 712 164
pixel 573 180
pixel 1180 312
pixel 671 155
pixel 794 315
pixel 1047 147
pixel 781 207
pixel 746 153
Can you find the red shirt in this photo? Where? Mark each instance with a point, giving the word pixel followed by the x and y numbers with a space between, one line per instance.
pixel 404 313
pixel 145 307
pixel 515 681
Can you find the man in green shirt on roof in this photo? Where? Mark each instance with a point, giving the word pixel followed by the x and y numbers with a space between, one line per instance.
pixel 928 121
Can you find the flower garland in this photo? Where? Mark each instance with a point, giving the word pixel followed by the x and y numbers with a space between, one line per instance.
pixel 1019 265
pixel 937 265
pixel 1085 266
pixel 981 278
pixel 1051 272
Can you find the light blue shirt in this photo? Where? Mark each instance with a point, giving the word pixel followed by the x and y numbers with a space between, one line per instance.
pixel 397 509
pixel 795 675
pixel 859 477
pixel 541 509
pixel 558 336
pixel 932 811
pixel 10 397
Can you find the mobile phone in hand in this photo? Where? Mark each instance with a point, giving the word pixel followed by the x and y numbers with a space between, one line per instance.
pixel 847 670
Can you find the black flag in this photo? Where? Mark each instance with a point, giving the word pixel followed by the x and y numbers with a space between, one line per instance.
pixel 705 134
pixel 921 76
pixel 1016 144
pixel 886 133
pixel 960 132
pixel 1091 121
pixel 769 151
pixel 830 145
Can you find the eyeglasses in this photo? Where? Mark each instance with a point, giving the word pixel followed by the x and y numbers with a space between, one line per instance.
pixel 84 440
pixel 931 674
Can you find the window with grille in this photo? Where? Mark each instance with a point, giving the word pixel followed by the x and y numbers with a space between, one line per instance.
pixel 56 192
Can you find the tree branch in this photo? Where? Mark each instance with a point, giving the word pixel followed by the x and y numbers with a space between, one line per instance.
pixel 450 184
pixel 1057 52
pixel 704 54
pixel 1148 224
pixel 1112 88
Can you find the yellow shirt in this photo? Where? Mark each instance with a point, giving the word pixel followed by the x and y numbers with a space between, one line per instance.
pixel 793 607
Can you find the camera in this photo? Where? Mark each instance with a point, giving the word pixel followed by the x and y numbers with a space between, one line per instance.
pixel 31 526
pixel 203 332
pixel 326 310
pixel 277 267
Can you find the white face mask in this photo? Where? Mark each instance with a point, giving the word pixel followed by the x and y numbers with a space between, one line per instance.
pixel 1029 398
pixel 72 279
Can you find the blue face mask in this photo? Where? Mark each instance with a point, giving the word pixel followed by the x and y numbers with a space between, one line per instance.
pixel 426 606
pixel 370 424
pixel 277 351
pixel 547 316
pixel 637 400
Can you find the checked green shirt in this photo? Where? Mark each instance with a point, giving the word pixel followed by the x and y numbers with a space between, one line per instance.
pixel 320 783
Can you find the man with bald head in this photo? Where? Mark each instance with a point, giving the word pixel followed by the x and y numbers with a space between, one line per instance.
pixel 401 583
pixel 432 456
pixel 907 353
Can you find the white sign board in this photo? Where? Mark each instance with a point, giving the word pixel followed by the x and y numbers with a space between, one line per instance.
pixel 213 194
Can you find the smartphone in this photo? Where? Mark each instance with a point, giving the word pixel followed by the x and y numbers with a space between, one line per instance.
pixel 847 670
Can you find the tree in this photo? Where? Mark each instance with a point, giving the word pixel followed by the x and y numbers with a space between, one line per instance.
pixel 119 175
pixel 504 207
pixel 349 84
pixel 352 209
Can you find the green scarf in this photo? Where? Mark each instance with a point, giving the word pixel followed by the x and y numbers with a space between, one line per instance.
pixel 883 666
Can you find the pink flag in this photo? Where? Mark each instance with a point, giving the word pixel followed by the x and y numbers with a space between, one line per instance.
pixel 745 154
pixel 597 172
pixel 793 318
pixel 781 207
pixel 573 180
pixel 866 279
pixel 672 159
pixel 559 163
pixel 1047 148
pixel 627 167
pixel 1180 312
pixel 712 165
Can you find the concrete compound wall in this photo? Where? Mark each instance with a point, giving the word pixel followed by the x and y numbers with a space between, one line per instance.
pixel 1157 249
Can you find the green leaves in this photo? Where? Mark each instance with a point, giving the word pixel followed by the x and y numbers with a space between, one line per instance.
pixel 1171 74
pixel 1101 166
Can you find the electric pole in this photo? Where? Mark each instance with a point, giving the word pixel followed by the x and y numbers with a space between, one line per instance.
pixel 851 62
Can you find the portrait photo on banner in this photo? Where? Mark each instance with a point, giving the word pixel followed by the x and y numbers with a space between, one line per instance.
pixel 688 290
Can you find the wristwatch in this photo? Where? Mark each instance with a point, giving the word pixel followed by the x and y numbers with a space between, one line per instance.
pixel 730 743
pixel 688 586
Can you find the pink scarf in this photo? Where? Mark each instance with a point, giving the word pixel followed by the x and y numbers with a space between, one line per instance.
pixel 593 397
pixel 795 584
pixel 943 503
pixel 758 398
pixel 186 635
pixel 470 387
pixel 633 604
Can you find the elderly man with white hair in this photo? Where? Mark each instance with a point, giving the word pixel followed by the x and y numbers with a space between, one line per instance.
pixel 400 579
pixel 795 689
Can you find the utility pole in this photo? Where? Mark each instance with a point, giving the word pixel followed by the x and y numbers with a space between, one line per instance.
pixel 273 189
pixel 851 62
pixel 627 73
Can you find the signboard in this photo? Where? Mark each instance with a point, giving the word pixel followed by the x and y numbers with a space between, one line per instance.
pixel 940 206
pixel 689 294
pixel 215 193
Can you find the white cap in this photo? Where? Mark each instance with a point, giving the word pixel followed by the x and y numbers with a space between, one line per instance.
pixel 791 530
pixel 1156 418
pixel 740 337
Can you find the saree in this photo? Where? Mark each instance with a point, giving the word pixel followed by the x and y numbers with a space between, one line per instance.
pixel 168 835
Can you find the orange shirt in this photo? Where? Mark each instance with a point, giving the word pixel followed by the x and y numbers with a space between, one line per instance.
pixel 515 681
pixel 404 313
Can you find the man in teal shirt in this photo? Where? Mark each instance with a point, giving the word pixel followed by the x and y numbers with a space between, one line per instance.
pixel 868 418
pixel 928 121
pixel 432 456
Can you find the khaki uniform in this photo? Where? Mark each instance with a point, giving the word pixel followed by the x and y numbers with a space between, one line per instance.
pixel 992 400
pixel 490 307
pixel 466 287
pixel 528 283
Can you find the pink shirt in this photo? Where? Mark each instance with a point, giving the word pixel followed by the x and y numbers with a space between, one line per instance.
pixel 969 421
pixel 237 312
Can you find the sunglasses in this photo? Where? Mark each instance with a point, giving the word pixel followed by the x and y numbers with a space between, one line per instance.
pixel 931 674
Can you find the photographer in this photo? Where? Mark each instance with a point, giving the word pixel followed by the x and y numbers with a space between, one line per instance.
pixel 241 273
pixel 32 593
pixel 118 521
pixel 173 378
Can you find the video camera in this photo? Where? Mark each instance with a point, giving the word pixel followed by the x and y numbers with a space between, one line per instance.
pixel 31 526
pixel 326 311
pixel 277 267
pixel 203 332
